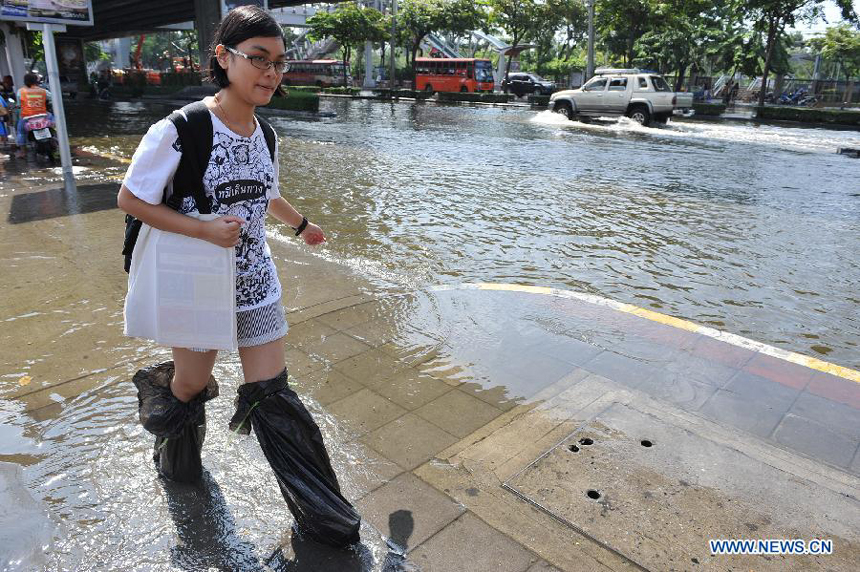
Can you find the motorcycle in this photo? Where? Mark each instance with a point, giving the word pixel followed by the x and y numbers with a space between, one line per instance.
pixel 800 97
pixel 41 135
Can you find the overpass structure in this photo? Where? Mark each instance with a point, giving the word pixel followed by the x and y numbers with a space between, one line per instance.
pixel 121 18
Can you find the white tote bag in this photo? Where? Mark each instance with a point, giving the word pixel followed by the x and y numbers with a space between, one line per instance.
pixel 181 291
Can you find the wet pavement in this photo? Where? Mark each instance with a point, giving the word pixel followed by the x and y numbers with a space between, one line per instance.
pixel 451 413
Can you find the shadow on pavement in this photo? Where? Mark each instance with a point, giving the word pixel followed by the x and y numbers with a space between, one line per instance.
pixel 401 524
pixel 53 203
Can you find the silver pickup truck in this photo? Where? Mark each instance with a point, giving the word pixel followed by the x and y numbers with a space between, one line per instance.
pixel 642 96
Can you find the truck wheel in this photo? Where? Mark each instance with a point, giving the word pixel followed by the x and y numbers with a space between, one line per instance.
pixel 640 115
pixel 565 109
pixel 661 118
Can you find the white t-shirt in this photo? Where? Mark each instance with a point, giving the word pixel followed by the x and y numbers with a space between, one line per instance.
pixel 240 180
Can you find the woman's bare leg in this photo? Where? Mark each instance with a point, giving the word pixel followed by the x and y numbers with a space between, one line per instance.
pixel 192 372
pixel 260 363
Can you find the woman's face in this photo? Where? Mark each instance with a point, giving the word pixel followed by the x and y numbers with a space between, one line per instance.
pixel 252 84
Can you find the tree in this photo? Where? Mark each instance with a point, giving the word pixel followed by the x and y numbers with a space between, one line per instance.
pixel 574 21
pixel 547 22
pixel 842 45
pixel 683 34
pixel 350 25
pixel 34 46
pixel 516 17
pixel 418 18
pixel 771 17
pixel 621 23
pixel 461 17
pixel 415 20
pixel 93 52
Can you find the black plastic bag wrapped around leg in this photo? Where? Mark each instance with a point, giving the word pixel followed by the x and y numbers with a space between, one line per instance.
pixel 294 447
pixel 179 428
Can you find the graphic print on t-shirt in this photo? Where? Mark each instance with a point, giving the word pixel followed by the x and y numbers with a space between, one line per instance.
pixel 237 179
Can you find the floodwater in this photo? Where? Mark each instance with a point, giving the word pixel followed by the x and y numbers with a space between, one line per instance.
pixel 93 467
pixel 751 229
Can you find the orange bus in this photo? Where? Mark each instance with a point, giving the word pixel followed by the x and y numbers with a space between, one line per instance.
pixel 453 74
pixel 322 73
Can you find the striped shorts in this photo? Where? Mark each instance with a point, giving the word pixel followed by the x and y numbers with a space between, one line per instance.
pixel 259 326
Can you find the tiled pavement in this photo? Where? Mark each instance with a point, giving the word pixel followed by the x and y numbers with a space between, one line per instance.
pixel 409 400
pixel 809 412
pixel 408 383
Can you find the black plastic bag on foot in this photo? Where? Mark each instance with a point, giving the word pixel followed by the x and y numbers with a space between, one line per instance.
pixel 294 447
pixel 180 428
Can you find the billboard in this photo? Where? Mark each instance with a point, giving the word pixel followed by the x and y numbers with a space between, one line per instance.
pixel 70 12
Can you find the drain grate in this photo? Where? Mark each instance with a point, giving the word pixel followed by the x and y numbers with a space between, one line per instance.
pixel 659 505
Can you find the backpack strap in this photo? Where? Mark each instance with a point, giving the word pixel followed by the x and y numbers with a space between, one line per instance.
pixel 194 126
pixel 269 134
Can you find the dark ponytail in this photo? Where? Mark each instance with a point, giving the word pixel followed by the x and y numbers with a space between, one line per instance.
pixel 237 26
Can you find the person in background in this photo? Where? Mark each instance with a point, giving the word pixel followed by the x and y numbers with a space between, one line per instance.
pixel 7 88
pixel 4 122
pixel 727 92
pixel 34 100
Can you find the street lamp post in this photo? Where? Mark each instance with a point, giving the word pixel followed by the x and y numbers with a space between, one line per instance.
pixel 589 70
pixel 393 43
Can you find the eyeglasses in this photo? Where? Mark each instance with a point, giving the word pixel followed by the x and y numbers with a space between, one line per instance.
pixel 261 62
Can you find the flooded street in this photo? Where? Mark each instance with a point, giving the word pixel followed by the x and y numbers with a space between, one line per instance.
pixel 749 229
pixel 753 230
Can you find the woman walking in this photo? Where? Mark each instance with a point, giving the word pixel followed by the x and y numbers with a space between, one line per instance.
pixel 240 181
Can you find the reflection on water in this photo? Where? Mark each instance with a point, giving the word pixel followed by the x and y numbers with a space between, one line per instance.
pixel 751 229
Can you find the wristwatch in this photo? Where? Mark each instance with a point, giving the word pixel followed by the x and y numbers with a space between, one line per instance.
pixel 299 229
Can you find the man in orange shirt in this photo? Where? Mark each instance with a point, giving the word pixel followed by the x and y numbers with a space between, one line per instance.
pixel 33 101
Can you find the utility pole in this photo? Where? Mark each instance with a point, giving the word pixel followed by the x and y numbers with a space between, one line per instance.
pixel 369 81
pixel 815 74
pixel 393 43
pixel 57 93
pixel 589 71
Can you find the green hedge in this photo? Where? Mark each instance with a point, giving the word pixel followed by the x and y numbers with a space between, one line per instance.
pixel 711 109
pixel 475 97
pixel 342 90
pixel 410 93
pixel 807 115
pixel 318 89
pixel 180 79
pixel 296 101
pixel 538 100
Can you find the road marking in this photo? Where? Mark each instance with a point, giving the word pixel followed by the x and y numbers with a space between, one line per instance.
pixel 733 339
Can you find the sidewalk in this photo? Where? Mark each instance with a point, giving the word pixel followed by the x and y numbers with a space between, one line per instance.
pixel 487 428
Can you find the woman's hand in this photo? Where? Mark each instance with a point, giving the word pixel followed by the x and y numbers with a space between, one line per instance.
pixel 313 234
pixel 223 231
